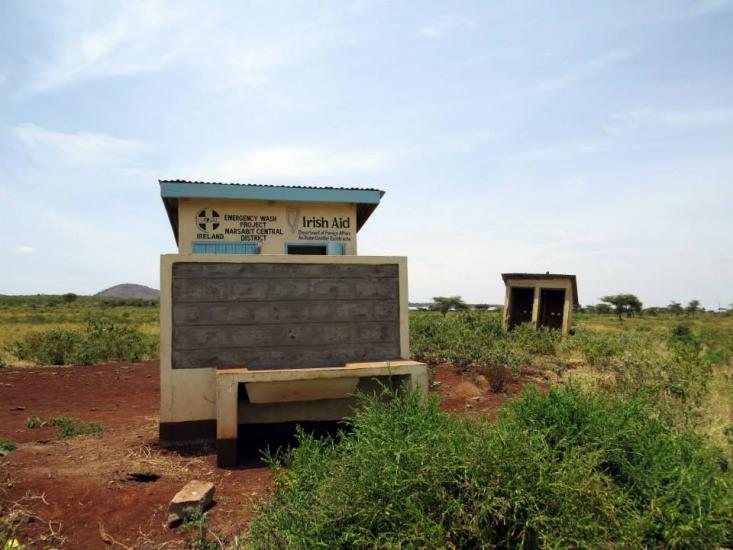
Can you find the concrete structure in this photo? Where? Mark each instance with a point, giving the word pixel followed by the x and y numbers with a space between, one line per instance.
pixel 543 299
pixel 267 314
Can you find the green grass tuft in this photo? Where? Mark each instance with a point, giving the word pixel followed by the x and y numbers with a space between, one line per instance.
pixel 72 427
pixel 6 446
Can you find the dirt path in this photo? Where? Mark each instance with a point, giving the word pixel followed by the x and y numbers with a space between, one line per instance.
pixel 71 490
pixel 75 485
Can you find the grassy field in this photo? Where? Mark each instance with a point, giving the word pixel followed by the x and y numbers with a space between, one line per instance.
pixel 681 358
pixel 630 448
pixel 21 317
pixel 598 353
pixel 629 445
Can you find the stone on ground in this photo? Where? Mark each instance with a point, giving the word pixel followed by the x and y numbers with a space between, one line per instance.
pixel 196 496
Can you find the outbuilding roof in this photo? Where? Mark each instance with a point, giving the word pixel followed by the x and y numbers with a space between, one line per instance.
pixel 526 276
pixel 366 199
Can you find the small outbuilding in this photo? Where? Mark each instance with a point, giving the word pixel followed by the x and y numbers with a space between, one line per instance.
pixel 543 299
pixel 267 313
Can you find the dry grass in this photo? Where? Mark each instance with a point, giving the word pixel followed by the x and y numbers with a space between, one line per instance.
pixel 14 514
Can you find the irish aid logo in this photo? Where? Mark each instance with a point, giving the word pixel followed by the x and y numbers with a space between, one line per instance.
pixel 208 219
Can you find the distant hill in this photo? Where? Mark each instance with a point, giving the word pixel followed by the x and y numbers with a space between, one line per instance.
pixel 129 290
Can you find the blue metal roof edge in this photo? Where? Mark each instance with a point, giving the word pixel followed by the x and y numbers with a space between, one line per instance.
pixel 245 192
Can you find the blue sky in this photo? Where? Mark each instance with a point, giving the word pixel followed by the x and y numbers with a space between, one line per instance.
pixel 593 138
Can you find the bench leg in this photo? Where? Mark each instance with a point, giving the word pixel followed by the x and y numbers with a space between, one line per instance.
pixel 419 381
pixel 226 421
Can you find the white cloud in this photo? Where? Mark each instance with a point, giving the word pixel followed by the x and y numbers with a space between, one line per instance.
pixel 643 118
pixel 23 251
pixel 287 162
pixel 565 151
pixel 581 72
pixel 81 148
pixel 138 36
pixel 135 37
pixel 445 25
pixel 705 7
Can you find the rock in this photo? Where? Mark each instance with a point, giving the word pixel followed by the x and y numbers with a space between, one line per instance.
pixel 196 496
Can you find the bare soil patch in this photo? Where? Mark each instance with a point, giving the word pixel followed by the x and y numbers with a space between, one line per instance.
pixel 80 484
pixel 465 390
pixel 86 491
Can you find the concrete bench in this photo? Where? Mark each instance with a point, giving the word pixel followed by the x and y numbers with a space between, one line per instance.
pixel 265 387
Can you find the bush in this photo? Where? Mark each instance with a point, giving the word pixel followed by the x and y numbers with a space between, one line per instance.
pixel 598 349
pixel 567 469
pixel 478 337
pixel 676 379
pixel 107 341
pixel 52 347
pixel 102 341
pixel 498 376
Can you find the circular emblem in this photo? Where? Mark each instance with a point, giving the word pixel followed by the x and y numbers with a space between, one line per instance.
pixel 207 219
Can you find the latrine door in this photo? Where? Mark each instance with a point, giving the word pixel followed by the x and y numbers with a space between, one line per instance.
pixel 520 307
pixel 552 303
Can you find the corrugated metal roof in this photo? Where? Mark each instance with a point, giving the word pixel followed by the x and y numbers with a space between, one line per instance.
pixel 273 186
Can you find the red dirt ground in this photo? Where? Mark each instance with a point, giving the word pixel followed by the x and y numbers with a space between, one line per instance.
pixel 75 493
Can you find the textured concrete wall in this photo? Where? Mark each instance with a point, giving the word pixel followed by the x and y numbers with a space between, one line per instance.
pixel 188 395
pixel 283 315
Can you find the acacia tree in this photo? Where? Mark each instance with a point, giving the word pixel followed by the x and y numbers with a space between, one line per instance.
pixel 445 303
pixel 623 303
pixel 675 308
pixel 603 309
pixel 693 306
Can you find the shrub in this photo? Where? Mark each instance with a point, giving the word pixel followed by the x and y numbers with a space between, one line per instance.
pixel 567 469
pixel 681 490
pixel 103 340
pixel 108 341
pixel 6 446
pixel 498 376
pixel 477 337
pixel 52 347
pixel 537 341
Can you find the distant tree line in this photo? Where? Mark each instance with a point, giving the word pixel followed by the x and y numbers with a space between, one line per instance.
pixel 623 305
pixel 629 305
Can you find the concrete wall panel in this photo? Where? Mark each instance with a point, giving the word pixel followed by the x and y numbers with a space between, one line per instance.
pixel 207 313
pixel 284 315
pixel 296 357
pixel 228 290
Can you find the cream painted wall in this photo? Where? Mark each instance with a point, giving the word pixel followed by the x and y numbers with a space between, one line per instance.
pixel 271 224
